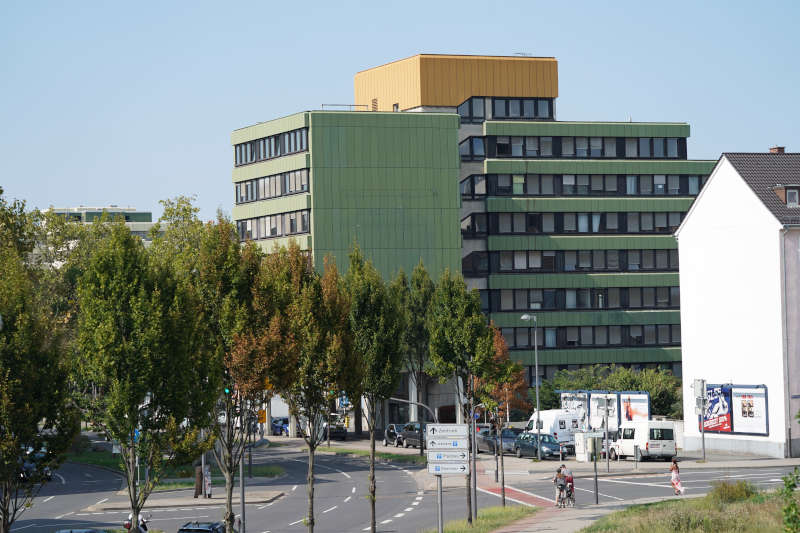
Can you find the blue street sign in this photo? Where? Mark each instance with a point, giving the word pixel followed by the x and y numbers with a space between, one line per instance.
pixel 476 415
pixel 135 435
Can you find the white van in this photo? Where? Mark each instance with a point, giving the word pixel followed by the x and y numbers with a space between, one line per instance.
pixel 655 439
pixel 561 424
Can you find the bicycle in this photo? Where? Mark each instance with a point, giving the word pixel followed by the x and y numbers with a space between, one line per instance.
pixel 561 499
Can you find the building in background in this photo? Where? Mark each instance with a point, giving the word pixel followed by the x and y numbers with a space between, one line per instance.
pixel 139 222
pixel 740 284
pixel 460 161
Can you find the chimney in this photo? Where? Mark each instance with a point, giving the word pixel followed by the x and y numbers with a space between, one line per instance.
pixel 777 149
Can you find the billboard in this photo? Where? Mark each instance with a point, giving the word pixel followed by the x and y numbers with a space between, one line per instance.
pixel 717 416
pixel 596 412
pixel 634 406
pixel 577 401
pixel 749 409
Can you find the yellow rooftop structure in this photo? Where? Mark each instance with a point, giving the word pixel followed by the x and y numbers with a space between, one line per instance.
pixel 448 80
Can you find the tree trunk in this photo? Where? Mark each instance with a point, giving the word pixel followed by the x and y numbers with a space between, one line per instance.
pixel 468 419
pixel 357 414
pixel 502 474
pixel 229 515
pixel 310 484
pixel 418 379
pixel 372 482
pixel 5 519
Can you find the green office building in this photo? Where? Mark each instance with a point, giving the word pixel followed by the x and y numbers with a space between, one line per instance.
pixel 460 161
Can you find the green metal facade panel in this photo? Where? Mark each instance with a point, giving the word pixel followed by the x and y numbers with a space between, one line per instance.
pixel 269 245
pixel 271 167
pixel 284 204
pixel 598 166
pixel 511 205
pixel 580 280
pixel 270 127
pixel 141 216
pixel 587 129
pixel 588 318
pixel 598 355
pixel 581 242
pixel 388 181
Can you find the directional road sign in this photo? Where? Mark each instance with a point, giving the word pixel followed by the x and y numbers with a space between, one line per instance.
pixel 448 468
pixel 444 443
pixel 594 434
pixel 447 430
pixel 448 457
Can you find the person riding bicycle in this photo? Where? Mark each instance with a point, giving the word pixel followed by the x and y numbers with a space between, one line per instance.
pixel 560 482
pixel 569 481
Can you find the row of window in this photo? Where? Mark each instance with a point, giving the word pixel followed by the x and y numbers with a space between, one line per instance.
pixel 482 263
pixel 473 110
pixel 271 147
pixel 480 185
pixel 271 186
pixel 483 224
pixel 494 300
pixel 280 225
pixel 593 336
pixel 499 146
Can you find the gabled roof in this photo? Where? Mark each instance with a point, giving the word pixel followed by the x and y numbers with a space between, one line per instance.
pixel 762 172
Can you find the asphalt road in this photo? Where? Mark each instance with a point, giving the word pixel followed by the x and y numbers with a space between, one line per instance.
pixel 340 499
pixel 628 487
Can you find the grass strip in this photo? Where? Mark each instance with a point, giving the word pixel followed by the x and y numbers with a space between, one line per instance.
pixel 727 507
pixel 489 519
pixel 394 457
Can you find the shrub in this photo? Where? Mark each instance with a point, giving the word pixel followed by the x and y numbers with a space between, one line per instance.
pixel 727 492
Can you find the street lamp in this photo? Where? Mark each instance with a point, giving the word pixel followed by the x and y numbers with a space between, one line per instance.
pixel 526 317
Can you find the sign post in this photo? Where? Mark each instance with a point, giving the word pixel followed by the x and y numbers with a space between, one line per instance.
pixel 448 453
pixel 700 409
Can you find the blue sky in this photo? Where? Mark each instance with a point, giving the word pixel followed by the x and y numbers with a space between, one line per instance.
pixel 120 103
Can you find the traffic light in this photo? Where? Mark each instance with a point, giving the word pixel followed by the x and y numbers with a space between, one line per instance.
pixel 227 391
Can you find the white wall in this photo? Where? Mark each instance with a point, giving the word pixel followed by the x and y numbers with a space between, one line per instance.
pixel 729 252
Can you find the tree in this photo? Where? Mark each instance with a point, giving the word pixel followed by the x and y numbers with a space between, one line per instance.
pixel 35 428
pixel 461 345
pixel 376 324
pixel 138 357
pixel 417 336
pixel 502 385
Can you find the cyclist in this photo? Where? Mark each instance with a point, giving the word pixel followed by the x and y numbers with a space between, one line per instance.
pixel 570 483
pixel 560 483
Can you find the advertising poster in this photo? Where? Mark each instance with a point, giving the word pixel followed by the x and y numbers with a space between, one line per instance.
pixel 596 413
pixel 577 401
pixel 718 409
pixel 749 409
pixel 635 406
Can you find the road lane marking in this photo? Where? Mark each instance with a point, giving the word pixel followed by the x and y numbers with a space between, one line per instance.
pixel 295 487
pixel 59 476
pixel 83 514
pixel 59 517
pixel 399 515
pixel 421 492
pixel 331 509
pixel 354 490
pixel 48 499
pixel 266 505
pixel 601 494
pixel 178 518
pixel 102 501
pixel 347 499
pixel 507 498
pixel 23 527
pixel 297 522
pixel 418 498
pixel 529 494
pixel 345 474
pixel 660 485
pixel 407 509
pixel 386 521
pixel 414 503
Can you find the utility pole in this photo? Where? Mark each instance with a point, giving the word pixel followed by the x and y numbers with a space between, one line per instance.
pixel 241 480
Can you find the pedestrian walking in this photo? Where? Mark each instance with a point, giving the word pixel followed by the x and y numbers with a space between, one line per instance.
pixel 676 477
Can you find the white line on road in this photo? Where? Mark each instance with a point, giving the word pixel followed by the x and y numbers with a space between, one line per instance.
pixel 266 505
pixel 399 515
pixel 345 474
pixel 48 499
pixel 530 494
pixel 386 521
pixel 178 518
pixel 331 509
pixel 407 509
pixel 102 501
pixel 418 498
pixel 83 514
pixel 660 485
pixel 507 498
pixel 59 476
pixel 354 490
pixel 414 503
pixel 601 494
pixel 59 517
pixel 347 499
pixel 297 522
pixel 421 492
pixel 295 487
pixel 23 527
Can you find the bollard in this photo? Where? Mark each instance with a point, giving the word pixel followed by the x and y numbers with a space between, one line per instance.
pixel 636 456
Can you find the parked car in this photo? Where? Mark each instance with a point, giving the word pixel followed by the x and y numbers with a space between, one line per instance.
pixel 655 439
pixel 409 435
pixel 560 423
pixel 338 428
pixel 390 434
pixel 278 424
pixel 525 445
pixel 202 527
pixel 32 464
pixel 486 440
